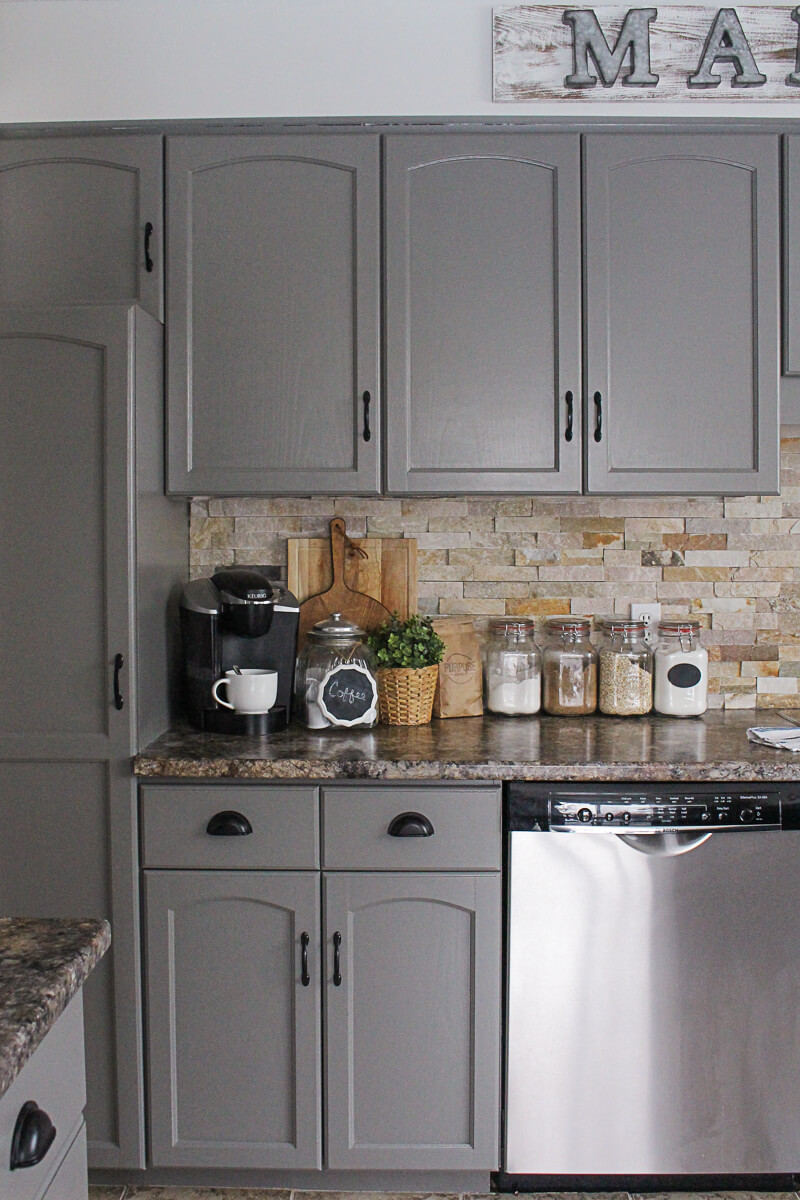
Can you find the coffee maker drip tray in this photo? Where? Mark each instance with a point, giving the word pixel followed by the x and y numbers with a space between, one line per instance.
pixel 222 720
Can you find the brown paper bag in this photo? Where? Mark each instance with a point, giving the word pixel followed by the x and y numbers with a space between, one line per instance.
pixel 459 692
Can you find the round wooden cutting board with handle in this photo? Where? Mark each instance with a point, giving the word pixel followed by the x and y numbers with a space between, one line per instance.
pixel 356 606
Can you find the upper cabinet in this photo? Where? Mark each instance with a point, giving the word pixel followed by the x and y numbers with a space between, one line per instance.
pixel 483 296
pixel 681 303
pixel 563 313
pixel 273 367
pixel 790 347
pixel 81 221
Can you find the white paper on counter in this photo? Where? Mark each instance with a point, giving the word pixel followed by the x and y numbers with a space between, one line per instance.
pixel 780 738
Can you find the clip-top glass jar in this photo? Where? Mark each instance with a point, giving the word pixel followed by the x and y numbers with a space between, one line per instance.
pixel 513 667
pixel 335 680
pixel 681 669
pixel 626 668
pixel 569 667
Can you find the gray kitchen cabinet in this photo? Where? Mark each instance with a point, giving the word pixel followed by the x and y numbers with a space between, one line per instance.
pixel 483 298
pixel 81 221
pixel 681 312
pixel 90 552
pixel 412 1045
pixel 234 1019
pixel 273 260
pixel 404 1072
pixel 790 328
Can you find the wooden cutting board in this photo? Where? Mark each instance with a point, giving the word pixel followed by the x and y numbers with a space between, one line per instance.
pixel 384 569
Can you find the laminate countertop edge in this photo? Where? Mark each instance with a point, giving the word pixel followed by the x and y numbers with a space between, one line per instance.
pixel 713 748
pixel 43 963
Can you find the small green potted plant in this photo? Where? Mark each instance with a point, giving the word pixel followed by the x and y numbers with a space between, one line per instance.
pixel 408 654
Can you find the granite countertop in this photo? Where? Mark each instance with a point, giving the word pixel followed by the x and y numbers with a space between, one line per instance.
pixel 712 747
pixel 43 963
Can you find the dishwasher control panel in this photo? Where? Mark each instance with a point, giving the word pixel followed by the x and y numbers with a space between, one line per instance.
pixel 664 810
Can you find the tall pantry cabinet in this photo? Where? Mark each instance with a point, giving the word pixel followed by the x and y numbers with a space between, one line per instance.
pixel 91 552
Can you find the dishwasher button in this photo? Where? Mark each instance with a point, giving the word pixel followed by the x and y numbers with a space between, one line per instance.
pixel 625 818
pixel 747 815
pixel 585 815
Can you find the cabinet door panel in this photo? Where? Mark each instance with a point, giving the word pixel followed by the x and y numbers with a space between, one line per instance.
pixel 69 849
pixel 483 304
pixel 273 313
pixel 790 378
pixel 73 213
pixel 413 1031
pixel 681 301
pixel 63 565
pixel 234 1042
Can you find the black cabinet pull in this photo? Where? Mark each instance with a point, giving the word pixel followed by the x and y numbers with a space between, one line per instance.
pixel 229 824
pixel 148 233
pixel 598 417
pixel 34 1134
pixel 367 433
pixel 305 978
pixel 337 959
pixel 568 430
pixel 119 663
pixel 410 824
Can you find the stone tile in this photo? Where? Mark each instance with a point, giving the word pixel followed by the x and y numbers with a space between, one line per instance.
pixel 489 590
pixel 778 701
pixel 785 686
pixel 719 558
pixel 435 507
pixel 737 700
pixel 537 607
pixel 689 574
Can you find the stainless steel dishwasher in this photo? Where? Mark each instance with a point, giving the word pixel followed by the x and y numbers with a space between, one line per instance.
pixel 653 1004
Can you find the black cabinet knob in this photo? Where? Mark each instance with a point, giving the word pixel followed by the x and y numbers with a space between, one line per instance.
pixel 229 824
pixel 410 824
pixel 34 1134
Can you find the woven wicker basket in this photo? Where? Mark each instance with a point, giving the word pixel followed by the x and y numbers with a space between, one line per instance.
pixel 405 694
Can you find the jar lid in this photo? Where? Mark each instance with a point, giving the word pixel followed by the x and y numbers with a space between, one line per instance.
pixel 512 625
pixel 336 627
pixel 679 625
pixel 622 624
pixel 569 623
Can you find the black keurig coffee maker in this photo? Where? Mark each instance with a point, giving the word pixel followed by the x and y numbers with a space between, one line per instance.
pixel 237 618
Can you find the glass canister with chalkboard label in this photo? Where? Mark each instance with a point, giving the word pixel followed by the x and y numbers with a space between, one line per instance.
pixel 335 681
pixel 681 665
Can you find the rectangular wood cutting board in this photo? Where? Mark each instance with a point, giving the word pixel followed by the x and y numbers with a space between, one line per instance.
pixel 383 568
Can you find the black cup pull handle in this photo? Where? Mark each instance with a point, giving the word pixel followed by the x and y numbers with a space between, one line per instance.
pixel 305 978
pixel 568 431
pixel 34 1134
pixel 148 259
pixel 229 824
pixel 119 663
pixel 410 824
pixel 337 959
pixel 598 417
pixel 367 432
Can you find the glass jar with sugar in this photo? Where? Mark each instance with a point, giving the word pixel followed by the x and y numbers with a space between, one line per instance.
pixel 513 667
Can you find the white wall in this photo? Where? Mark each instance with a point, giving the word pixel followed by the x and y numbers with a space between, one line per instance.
pixel 109 60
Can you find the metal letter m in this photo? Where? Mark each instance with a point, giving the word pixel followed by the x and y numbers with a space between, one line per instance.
pixel 588 38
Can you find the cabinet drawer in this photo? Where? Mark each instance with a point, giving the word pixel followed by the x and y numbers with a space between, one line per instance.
pixel 54 1079
pixel 70 1181
pixel 283 820
pixel 466 825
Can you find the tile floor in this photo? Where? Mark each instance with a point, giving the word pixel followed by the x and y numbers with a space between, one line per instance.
pixel 172 1193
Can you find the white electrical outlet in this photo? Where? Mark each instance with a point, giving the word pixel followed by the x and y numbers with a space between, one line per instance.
pixel 650 614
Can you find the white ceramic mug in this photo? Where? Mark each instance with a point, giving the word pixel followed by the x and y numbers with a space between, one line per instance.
pixel 252 690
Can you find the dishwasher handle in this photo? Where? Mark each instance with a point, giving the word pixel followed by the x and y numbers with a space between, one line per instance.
pixel 665 845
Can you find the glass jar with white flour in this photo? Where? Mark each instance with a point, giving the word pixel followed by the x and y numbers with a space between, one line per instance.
pixel 681 668
pixel 513 668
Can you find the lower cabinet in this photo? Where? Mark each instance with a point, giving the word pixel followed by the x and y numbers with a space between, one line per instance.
pixel 401 988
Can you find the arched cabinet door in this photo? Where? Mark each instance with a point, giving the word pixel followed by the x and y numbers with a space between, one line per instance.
pixel 273 379
pixel 412 978
pixel 81 221
pixel 234 1027
pixel 483 355
pixel 682 295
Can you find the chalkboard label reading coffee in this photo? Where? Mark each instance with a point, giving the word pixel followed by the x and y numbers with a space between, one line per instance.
pixel 348 695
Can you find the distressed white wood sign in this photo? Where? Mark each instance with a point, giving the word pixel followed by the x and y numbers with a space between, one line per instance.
pixel 545 52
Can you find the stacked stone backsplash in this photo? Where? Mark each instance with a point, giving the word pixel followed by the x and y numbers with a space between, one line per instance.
pixel 733 563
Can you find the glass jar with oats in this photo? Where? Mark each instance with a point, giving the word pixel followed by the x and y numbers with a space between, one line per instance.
pixel 569 667
pixel 626 668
